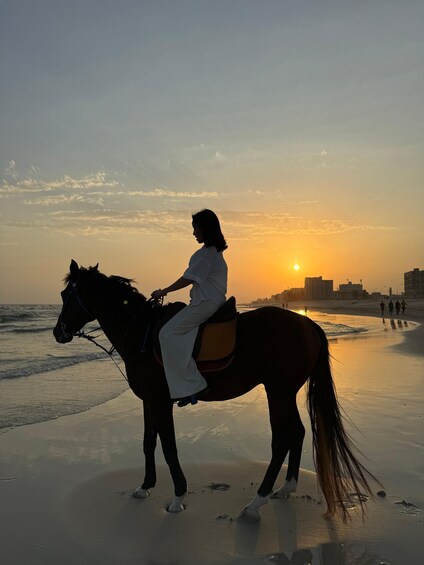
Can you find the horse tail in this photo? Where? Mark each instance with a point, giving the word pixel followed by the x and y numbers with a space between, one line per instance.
pixel 338 469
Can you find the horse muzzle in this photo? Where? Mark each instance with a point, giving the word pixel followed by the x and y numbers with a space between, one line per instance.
pixel 60 333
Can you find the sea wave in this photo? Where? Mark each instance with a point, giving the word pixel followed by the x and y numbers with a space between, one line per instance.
pixel 49 363
pixel 337 330
pixel 8 328
pixel 12 314
pixel 17 316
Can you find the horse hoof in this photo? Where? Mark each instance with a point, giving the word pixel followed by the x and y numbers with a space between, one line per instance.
pixel 176 505
pixel 286 490
pixel 249 516
pixel 141 493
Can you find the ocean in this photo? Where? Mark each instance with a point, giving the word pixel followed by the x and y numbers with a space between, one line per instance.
pixel 42 380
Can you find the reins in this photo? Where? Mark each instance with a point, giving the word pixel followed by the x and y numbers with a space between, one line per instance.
pixel 109 351
pixel 155 303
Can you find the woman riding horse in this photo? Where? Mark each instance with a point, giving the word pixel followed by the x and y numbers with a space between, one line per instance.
pixel 275 347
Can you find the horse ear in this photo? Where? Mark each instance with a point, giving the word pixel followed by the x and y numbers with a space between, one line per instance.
pixel 96 267
pixel 73 268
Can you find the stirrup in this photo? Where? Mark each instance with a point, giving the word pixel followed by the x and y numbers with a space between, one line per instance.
pixel 187 400
pixel 193 398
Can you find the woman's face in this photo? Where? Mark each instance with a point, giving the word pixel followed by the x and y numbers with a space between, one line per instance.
pixel 197 232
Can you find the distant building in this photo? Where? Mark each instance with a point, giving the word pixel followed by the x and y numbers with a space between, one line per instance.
pixel 414 283
pixel 350 291
pixel 318 289
pixel 293 294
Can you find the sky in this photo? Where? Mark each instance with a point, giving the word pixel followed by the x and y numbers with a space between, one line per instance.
pixel 299 123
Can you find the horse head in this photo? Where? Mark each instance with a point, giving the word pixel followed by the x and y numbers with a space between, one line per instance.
pixel 76 311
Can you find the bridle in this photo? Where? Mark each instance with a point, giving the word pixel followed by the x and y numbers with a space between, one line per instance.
pixel 73 293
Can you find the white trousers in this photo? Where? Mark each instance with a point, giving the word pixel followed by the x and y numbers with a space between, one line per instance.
pixel 177 339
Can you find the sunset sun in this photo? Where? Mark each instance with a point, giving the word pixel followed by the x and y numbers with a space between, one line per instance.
pixel 296 267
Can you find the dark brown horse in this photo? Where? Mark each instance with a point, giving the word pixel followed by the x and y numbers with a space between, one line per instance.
pixel 276 347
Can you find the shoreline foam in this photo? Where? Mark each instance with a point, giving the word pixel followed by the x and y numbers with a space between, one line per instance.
pixel 413 342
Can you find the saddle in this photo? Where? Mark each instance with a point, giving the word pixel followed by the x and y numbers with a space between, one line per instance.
pixel 215 342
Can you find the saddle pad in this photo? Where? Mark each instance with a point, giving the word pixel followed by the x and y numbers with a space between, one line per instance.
pixel 217 341
pixel 215 346
pixel 220 331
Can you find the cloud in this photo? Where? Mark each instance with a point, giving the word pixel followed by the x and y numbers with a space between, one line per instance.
pixel 93 188
pixel 249 226
pixel 259 225
pixel 34 186
pixel 174 224
pixel 161 193
pixel 11 169
pixel 90 202
pixel 59 199
pixel 219 156
pixel 96 180
pixel 97 197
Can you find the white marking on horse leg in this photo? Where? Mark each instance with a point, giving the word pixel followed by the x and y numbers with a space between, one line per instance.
pixel 285 491
pixel 140 492
pixel 177 504
pixel 252 511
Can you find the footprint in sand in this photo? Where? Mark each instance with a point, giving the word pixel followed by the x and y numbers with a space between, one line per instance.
pixel 358 497
pixel 219 486
pixel 408 508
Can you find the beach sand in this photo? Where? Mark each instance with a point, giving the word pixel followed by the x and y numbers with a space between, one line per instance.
pixel 66 484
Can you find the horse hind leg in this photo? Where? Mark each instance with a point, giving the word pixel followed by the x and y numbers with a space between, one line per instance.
pixel 297 434
pixel 281 408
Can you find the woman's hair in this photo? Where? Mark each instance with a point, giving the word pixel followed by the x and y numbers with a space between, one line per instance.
pixel 207 221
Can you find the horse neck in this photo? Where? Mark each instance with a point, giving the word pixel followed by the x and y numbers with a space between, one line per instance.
pixel 114 329
pixel 119 326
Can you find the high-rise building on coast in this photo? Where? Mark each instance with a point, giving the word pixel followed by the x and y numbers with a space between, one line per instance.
pixel 414 283
pixel 318 289
pixel 351 291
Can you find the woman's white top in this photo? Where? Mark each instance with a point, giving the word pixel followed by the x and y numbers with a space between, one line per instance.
pixel 209 272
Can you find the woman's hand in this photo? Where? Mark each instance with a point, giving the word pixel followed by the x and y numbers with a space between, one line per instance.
pixel 158 294
pixel 182 282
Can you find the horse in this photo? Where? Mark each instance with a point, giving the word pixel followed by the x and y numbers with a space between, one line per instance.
pixel 281 349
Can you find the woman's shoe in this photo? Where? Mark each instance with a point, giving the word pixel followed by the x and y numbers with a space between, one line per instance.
pixel 192 399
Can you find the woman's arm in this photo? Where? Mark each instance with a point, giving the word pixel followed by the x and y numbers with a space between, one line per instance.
pixel 182 282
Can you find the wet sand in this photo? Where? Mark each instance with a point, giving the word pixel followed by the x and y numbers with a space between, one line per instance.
pixel 414 312
pixel 66 484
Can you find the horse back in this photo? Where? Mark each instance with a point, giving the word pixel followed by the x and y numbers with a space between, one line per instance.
pixel 273 338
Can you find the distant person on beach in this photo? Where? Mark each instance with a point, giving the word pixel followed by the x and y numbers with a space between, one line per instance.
pixel 306 310
pixel 397 306
pixel 383 307
pixel 391 306
pixel 403 305
pixel 207 272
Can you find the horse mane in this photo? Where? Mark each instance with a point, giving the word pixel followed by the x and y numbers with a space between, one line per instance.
pixel 121 288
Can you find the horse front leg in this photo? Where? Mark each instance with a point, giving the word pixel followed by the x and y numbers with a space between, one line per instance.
pixel 169 447
pixel 149 446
